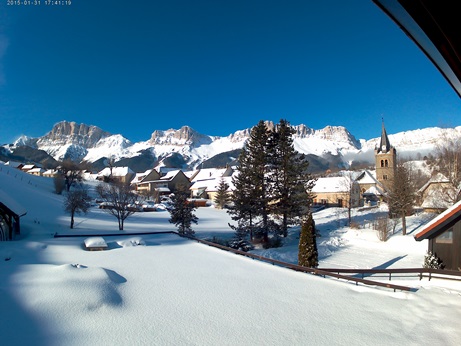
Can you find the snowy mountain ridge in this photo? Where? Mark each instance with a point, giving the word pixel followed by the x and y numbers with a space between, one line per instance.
pixel 69 140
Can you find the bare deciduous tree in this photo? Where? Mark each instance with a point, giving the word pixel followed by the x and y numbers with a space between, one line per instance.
pixel 447 161
pixel 118 200
pixel 77 201
pixel 72 172
pixel 401 197
pixel 351 191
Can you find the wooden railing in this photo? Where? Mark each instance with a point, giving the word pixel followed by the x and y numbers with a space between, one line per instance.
pixel 330 272
pixel 420 272
pixel 316 271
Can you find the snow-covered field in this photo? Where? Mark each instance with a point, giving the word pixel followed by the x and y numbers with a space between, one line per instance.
pixel 165 290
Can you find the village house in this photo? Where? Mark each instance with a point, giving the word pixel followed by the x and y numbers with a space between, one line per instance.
pixel 335 191
pixel 165 184
pixel 205 181
pixel 212 188
pixel 121 174
pixel 142 182
pixel 38 171
pixel 444 236
pixel 437 194
pixel 27 168
pixel 50 173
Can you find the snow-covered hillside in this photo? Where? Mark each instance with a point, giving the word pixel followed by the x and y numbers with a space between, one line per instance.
pixel 165 290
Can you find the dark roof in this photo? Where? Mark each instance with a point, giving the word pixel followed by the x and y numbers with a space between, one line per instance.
pixel 439 224
pixel 384 144
pixel 435 27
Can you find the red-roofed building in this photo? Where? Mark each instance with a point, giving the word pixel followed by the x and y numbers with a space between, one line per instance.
pixel 444 236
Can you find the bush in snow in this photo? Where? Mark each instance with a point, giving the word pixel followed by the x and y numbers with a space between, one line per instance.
pixel 432 261
pixel 240 244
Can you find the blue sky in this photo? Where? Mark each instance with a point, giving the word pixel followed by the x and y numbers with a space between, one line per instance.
pixel 132 67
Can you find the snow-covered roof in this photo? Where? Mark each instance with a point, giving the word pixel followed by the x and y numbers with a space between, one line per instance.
pixel 35 170
pixel 439 178
pixel 116 171
pixel 12 204
pixel 438 198
pixel 209 173
pixel 89 176
pixel 140 176
pixel 374 190
pixel 170 175
pixel 190 174
pixel 332 184
pixel 211 185
pixel 367 177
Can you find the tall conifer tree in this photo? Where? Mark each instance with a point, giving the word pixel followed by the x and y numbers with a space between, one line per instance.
pixel 222 195
pixel 307 251
pixel 182 211
pixel 290 182
pixel 250 195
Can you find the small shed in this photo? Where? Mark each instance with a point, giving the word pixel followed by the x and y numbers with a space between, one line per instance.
pixel 444 236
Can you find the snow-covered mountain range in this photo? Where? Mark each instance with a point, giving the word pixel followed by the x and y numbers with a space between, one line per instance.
pixel 186 148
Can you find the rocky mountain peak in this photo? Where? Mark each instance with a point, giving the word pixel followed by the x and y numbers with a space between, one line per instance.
pixel 65 133
pixel 338 134
pixel 184 136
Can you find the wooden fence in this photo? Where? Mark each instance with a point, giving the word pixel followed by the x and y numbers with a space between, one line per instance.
pixel 316 271
pixel 330 272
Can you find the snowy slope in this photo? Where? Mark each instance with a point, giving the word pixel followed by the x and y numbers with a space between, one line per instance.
pixel 164 290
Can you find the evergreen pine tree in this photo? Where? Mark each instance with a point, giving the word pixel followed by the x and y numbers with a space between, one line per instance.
pixel 222 195
pixel 307 250
pixel 290 181
pixel 182 211
pixel 250 197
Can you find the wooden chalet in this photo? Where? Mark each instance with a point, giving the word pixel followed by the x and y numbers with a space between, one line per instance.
pixel 10 213
pixel 444 236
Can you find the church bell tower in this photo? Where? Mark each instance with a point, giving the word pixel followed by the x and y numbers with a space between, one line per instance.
pixel 386 160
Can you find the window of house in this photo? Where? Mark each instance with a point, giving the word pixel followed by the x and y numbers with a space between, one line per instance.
pixel 385 177
pixel 386 163
pixel 446 237
pixel 382 163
